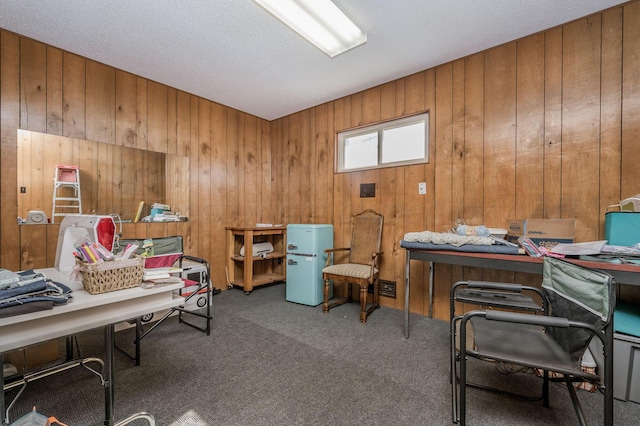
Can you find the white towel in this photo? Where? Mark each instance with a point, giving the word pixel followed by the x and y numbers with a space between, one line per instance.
pixel 446 238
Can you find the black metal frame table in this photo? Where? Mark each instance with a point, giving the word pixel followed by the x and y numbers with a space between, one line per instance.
pixel 622 273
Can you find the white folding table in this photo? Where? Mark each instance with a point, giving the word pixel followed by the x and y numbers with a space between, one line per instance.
pixel 85 312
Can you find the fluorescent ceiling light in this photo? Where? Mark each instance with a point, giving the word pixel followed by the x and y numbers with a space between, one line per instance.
pixel 319 21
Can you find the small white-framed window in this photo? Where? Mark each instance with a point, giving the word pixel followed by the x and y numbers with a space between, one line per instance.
pixel 391 143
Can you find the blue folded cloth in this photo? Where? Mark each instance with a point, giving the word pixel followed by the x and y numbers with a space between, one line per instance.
pixel 626 319
pixel 8 279
pixel 470 248
pixel 34 287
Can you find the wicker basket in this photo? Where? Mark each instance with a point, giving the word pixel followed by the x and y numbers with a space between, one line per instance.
pixel 103 277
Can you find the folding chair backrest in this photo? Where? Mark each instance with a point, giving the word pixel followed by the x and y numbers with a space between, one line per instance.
pixel 166 251
pixel 365 236
pixel 161 245
pixel 579 294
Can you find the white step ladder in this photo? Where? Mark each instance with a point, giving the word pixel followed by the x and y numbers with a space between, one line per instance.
pixel 66 192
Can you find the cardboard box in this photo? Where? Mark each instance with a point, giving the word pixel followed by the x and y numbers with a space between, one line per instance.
pixel 544 232
pixel 33 357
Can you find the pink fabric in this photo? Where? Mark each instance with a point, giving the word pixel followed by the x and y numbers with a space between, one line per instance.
pixel 161 261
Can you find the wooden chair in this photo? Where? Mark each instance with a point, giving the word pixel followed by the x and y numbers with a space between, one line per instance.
pixel 362 263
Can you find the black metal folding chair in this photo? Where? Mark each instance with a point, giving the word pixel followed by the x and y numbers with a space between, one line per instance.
pixel 172 248
pixel 580 308
pixel 487 294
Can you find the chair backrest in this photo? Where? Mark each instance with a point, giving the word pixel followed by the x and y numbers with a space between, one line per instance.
pixel 579 294
pixel 166 251
pixel 161 245
pixel 366 236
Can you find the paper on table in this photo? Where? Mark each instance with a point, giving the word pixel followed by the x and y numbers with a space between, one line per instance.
pixel 621 250
pixel 577 249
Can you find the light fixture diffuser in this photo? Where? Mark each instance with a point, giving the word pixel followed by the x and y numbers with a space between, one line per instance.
pixel 320 22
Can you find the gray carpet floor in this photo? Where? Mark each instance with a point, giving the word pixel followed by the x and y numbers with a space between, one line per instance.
pixel 272 362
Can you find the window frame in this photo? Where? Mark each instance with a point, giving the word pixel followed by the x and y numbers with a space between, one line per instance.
pixel 379 128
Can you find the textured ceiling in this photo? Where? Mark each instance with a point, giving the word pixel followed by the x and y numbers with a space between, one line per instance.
pixel 235 53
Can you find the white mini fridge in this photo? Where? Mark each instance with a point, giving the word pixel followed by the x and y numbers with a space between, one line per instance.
pixel 305 260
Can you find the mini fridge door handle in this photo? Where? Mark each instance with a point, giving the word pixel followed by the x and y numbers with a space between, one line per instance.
pixel 292 247
pixel 291 262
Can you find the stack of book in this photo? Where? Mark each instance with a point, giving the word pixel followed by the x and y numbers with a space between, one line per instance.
pixel 155 274
pixel 159 208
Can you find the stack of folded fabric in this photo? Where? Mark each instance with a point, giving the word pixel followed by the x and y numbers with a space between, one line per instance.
pixel 29 291
pixel 428 240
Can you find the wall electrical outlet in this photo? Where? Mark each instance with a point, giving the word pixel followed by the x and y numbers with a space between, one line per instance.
pixel 422 188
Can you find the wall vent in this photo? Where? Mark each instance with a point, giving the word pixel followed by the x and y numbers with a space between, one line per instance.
pixel 388 288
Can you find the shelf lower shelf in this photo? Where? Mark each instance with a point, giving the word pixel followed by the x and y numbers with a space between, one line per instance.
pixel 249 272
pixel 269 256
pixel 260 279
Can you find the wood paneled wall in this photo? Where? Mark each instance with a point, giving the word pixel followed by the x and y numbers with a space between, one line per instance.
pixel 47 90
pixel 542 127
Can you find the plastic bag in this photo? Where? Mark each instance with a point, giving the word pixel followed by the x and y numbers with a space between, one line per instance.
pixel 631 204
pixel 36 419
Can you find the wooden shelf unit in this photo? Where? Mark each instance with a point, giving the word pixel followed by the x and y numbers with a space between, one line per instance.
pixel 260 270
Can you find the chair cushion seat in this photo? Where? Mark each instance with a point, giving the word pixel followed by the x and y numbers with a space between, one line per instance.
pixel 523 344
pixel 353 270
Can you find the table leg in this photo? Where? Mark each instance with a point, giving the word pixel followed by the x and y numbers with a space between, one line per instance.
pixel 407 283
pixel 3 420
pixel 109 349
pixel 69 340
pixel 406 295
pixel 109 340
pixel 430 289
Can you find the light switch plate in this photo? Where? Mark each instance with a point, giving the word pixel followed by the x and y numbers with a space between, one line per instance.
pixel 422 188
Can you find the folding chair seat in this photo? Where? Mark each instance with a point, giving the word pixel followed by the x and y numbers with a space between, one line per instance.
pixel 579 307
pixel 510 296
